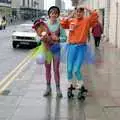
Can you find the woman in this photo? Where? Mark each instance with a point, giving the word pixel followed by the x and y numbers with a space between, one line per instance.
pixel 56 34
pixel 97 31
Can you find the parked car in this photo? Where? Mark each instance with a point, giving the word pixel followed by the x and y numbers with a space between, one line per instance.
pixel 24 35
pixel 44 18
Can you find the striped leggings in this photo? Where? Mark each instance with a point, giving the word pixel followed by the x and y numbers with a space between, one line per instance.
pixel 56 64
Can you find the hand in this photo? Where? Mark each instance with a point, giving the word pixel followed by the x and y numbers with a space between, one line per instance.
pixel 71 14
pixel 54 37
pixel 44 36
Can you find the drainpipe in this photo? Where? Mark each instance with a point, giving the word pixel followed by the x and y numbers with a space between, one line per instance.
pixel 116 38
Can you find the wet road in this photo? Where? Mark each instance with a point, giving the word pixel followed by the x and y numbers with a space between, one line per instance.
pixel 9 57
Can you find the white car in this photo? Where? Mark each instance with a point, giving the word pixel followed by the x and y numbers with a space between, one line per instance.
pixel 24 35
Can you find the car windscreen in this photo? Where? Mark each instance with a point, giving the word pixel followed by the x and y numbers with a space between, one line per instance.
pixel 24 28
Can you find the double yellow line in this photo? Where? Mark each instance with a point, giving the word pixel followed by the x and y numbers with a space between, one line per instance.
pixel 15 72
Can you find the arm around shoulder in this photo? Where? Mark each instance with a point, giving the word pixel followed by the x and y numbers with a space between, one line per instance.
pixel 63 36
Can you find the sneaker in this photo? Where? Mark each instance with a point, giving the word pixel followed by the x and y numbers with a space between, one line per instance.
pixel 47 92
pixel 59 93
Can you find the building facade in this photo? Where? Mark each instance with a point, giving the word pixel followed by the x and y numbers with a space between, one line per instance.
pixel 110 15
pixel 103 6
pixel 111 18
pixel 5 8
pixel 27 9
pixel 58 3
pixel 62 5
pixel 114 29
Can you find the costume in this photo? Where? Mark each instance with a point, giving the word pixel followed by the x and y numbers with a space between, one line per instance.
pixel 51 51
pixel 77 45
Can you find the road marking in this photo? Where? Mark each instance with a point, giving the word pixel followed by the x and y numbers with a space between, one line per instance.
pixel 13 77
pixel 15 72
pixel 12 72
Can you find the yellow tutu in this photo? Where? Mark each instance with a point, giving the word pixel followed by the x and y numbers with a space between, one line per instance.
pixel 44 51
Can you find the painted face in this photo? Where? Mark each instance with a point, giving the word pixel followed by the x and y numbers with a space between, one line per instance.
pixel 40 29
pixel 80 13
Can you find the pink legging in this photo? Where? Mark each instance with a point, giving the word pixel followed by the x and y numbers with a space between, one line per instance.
pixel 56 63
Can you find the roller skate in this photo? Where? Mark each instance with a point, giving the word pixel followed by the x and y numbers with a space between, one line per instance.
pixel 70 91
pixel 82 94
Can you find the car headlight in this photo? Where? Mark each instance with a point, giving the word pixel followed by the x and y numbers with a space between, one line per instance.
pixel 13 37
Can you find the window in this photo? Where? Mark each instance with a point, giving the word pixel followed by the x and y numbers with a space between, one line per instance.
pixel 28 3
pixel 23 2
pixel 32 3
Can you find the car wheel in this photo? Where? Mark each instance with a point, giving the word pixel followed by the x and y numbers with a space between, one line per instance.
pixel 14 44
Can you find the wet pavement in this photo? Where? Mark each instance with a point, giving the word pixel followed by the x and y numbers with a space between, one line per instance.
pixel 25 101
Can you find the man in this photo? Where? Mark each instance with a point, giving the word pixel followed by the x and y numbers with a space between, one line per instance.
pixel 78 34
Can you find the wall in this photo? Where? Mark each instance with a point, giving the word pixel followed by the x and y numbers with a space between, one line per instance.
pixel 114 25
pixel 16 3
pixel 103 6
pixel 118 35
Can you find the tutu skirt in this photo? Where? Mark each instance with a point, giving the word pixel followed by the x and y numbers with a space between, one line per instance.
pixel 42 53
pixel 89 55
pixel 61 50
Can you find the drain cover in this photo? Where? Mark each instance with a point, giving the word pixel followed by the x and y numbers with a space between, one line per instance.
pixel 5 92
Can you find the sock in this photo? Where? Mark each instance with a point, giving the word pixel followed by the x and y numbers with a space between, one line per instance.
pixel 71 82
pixel 80 83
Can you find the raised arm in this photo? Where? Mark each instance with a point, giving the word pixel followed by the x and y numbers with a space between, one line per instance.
pixel 66 21
pixel 93 18
pixel 63 36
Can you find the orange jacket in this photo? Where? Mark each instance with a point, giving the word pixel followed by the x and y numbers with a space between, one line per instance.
pixel 80 33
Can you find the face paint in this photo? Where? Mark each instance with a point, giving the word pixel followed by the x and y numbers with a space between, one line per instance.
pixel 41 29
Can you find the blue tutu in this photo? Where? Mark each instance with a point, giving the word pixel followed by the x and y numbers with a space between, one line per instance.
pixel 55 48
pixel 63 52
pixel 89 55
